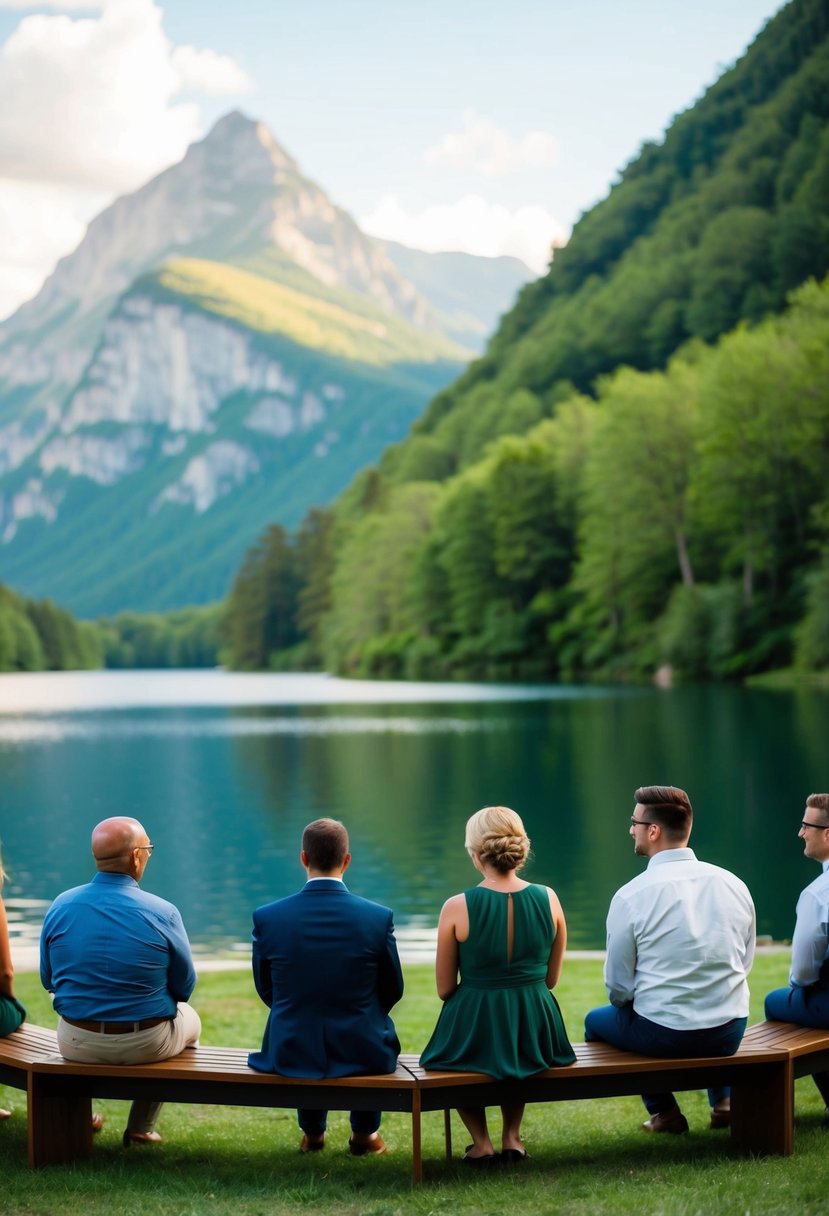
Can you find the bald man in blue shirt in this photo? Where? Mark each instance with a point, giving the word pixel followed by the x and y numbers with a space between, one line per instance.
pixel 118 963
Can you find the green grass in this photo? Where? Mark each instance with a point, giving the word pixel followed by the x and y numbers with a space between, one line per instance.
pixel 587 1157
pixel 789 677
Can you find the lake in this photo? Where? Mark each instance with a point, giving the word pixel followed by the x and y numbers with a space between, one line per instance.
pixel 224 770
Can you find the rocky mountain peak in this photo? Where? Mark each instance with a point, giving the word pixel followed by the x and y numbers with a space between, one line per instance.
pixel 242 151
pixel 236 189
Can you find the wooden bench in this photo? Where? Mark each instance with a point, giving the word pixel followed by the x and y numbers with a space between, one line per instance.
pixel 761 1075
pixel 60 1092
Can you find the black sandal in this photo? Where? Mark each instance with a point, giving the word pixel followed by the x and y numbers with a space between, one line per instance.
pixel 511 1156
pixel 478 1162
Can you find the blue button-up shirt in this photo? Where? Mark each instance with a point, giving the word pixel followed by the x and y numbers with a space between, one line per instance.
pixel 810 943
pixel 114 953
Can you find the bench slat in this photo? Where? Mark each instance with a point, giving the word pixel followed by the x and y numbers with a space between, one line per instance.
pixel 600 1059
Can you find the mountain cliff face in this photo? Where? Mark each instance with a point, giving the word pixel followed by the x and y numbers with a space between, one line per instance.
pixel 225 348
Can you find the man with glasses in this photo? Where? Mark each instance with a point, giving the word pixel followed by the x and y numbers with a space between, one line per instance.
pixel 806 1001
pixel 680 943
pixel 118 963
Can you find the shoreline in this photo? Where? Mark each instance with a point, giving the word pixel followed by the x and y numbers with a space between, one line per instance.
pixel 25 958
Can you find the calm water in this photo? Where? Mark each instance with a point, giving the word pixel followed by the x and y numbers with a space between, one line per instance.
pixel 225 770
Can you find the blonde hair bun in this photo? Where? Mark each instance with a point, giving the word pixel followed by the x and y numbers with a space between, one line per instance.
pixel 497 835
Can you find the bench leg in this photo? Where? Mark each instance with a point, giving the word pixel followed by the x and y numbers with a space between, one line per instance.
pixel 60 1124
pixel 447 1132
pixel 762 1114
pixel 417 1144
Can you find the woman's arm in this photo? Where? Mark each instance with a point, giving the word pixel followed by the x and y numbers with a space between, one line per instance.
pixel 452 927
pixel 6 968
pixel 559 943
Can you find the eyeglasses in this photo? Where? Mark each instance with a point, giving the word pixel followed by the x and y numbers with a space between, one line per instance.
pixel 819 827
pixel 148 847
pixel 643 823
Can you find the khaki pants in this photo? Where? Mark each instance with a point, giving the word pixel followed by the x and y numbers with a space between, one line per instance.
pixel 136 1047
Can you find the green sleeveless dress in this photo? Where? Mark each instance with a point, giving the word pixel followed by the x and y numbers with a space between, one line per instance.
pixel 12 1014
pixel 502 1018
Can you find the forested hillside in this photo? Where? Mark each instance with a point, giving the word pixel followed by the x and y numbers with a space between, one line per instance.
pixel 635 473
pixel 711 227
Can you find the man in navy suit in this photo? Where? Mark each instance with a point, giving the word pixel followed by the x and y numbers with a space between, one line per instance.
pixel 325 962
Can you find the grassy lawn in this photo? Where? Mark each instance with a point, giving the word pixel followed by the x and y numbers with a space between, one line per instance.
pixel 587 1157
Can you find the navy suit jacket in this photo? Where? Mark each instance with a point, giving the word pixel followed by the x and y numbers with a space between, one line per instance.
pixel 326 963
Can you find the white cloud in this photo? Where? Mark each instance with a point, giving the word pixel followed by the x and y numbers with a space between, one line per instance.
pixel 38 224
pixel 88 110
pixel 89 101
pixel 482 147
pixel 471 225
pixel 205 71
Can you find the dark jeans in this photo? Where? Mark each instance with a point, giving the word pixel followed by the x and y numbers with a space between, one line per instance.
pixel 804 1007
pixel 314 1122
pixel 626 1029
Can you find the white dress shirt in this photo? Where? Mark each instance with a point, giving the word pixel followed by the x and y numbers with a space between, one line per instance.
pixel 810 944
pixel 680 942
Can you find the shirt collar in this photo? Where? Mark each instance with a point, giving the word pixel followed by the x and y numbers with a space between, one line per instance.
pixel 325 878
pixel 104 876
pixel 666 855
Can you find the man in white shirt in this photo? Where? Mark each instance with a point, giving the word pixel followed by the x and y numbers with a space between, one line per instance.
pixel 806 1000
pixel 680 943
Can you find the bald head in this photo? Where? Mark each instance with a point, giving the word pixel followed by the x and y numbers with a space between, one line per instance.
pixel 113 842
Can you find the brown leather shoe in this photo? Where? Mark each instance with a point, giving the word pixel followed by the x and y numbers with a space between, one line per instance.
pixel 312 1144
pixel 97 1123
pixel 140 1138
pixel 5 1114
pixel 720 1116
pixel 367 1146
pixel 672 1121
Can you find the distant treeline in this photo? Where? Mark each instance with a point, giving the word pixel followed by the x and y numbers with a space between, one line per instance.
pixel 39 636
pixel 680 517
pixel 188 637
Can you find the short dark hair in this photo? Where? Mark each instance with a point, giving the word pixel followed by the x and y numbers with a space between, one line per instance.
pixel 325 844
pixel 820 802
pixel 668 806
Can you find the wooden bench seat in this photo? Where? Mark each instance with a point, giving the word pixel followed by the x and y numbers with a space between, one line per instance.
pixel 60 1092
pixel 761 1075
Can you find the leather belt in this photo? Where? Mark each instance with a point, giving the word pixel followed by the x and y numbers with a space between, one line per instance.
pixel 116 1027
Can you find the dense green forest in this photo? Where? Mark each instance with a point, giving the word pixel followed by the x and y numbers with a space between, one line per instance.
pixel 635 473
pixel 680 517
pixel 188 637
pixel 39 636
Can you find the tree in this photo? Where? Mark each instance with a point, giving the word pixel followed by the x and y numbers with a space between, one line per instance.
pixel 262 607
pixel 370 597
pixel 635 522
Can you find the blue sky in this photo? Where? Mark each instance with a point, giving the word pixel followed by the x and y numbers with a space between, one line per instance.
pixel 442 124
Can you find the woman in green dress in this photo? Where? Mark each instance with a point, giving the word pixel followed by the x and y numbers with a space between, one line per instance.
pixel 505 938
pixel 12 1012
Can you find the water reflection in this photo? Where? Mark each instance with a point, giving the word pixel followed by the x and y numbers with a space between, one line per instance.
pixel 224 786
